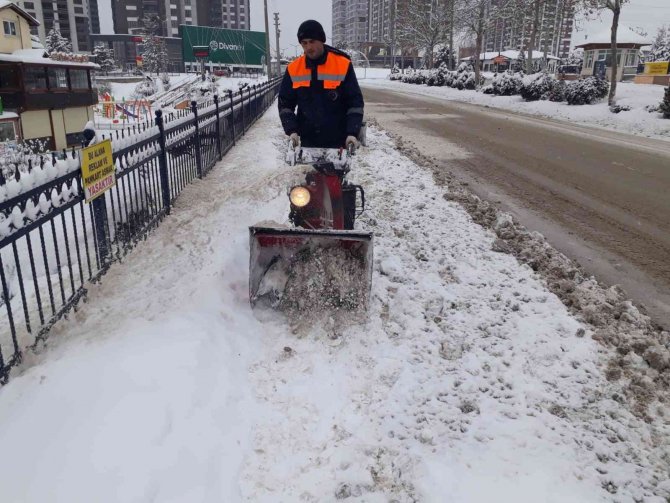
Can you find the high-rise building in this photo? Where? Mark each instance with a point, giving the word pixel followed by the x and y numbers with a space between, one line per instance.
pixel 128 14
pixel 366 24
pixel 350 22
pixel 554 30
pixel 75 19
pixel 234 14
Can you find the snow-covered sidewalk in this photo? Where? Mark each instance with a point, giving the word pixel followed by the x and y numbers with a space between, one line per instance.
pixel 637 121
pixel 470 382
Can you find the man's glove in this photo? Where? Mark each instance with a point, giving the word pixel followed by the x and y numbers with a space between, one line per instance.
pixel 352 140
pixel 295 140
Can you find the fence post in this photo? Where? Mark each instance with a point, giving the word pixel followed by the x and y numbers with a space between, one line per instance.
pixel 255 102
pixel 162 162
pixel 218 127
pixel 232 113
pixel 198 156
pixel 100 223
pixel 244 129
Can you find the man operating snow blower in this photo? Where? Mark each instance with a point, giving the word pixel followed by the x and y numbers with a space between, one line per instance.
pixel 320 263
pixel 322 84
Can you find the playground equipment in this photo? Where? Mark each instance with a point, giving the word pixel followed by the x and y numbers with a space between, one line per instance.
pixel 124 110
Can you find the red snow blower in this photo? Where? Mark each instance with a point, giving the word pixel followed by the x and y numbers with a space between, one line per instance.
pixel 319 263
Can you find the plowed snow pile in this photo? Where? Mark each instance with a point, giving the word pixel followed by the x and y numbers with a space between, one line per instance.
pixel 469 382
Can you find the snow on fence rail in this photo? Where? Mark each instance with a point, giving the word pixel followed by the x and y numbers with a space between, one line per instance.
pixel 52 244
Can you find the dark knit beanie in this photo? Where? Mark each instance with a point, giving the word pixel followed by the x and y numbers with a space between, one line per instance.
pixel 312 30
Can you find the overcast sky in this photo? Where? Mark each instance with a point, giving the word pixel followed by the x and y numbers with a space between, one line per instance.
pixel 291 14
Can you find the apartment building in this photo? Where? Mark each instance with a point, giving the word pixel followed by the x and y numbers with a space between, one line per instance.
pixel 75 19
pixel 234 14
pixel 128 14
pixel 350 22
pixel 554 34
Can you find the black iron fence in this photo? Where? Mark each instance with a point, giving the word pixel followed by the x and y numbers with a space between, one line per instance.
pixel 52 244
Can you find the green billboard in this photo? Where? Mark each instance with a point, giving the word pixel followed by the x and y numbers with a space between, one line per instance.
pixel 226 47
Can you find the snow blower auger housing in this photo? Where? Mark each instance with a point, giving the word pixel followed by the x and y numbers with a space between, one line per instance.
pixel 319 263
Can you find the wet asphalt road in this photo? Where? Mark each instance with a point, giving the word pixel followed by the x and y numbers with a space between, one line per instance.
pixel 600 197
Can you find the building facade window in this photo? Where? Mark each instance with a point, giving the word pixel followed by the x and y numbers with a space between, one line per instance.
pixel 57 78
pixel 79 79
pixel 9 77
pixel 9 28
pixel 35 77
pixel 7 132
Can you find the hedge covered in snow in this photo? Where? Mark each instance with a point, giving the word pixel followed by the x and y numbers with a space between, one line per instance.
pixel 586 91
pixel 540 86
pixel 462 78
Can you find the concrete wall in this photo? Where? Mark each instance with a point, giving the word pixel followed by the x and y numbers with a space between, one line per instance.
pixel 10 43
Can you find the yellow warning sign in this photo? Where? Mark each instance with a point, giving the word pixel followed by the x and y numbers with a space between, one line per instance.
pixel 97 169
pixel 656 68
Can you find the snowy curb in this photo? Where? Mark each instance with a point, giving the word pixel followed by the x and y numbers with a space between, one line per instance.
pixel 642 359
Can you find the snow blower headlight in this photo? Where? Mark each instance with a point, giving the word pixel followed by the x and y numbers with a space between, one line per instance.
pixel 299 196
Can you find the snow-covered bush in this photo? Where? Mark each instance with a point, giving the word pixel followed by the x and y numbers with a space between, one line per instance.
pixel 414 78
pixel 557 91
pixel 464 77
pixel 437 77
pixel 21 157
pixel 165 79
pixel 665 104
pixel 208 87
pixel 396 76
pixel 506 84
pixel 449 78
pixel 615 109
pixel 540 87
pixel 487 89
pixel 586 91
pixel 145 88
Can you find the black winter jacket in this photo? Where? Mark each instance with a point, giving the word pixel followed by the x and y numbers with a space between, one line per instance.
pixel 325 117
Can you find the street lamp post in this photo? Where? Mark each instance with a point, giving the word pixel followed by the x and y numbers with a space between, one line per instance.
pixel 268 57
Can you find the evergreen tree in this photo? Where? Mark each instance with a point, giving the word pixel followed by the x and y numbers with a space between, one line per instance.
pixel 55 42
pixel 155 54
pixel 519 64
pixel 104 57
pixel 660 50
pixel 665 104
pixel 445 56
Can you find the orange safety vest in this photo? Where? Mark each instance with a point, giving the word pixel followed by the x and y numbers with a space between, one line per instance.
pixel 332 72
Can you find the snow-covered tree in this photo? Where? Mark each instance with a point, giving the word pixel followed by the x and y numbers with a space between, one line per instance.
pixel 660 49
pixel 104 57
pixel 665 104
pixel 445 56
pixel 519 64
pixel 55 42
pixel 154 57
pixel 425 24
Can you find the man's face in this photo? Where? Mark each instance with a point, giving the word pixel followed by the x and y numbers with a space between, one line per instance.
pixel 313 48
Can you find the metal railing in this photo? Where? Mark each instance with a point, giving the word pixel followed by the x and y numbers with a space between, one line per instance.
pixel 55 244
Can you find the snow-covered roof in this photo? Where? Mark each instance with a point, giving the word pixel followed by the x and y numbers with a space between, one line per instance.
pixel 624 36
pixel 8 115
pixel 486 56
pixel 37 56
pixel 31 20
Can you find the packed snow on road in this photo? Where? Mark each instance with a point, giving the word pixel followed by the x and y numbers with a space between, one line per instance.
pixel 468 381
pixel 643 118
